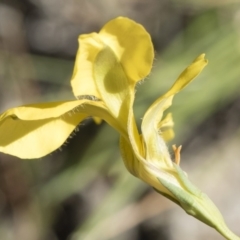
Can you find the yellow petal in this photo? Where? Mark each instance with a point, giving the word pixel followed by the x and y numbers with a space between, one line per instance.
pixel 129 41
pixel 154 114
pixel 188 75
pixel 98 109
pixel 144 170
pixel 167 122
pixel 132 45
pixel 35 139
pixel 97 120
pixel 82 80
pixel 135 139
pixel 165 128
pixel 128 156
pixel 40 111
pixel 156 149
pixel 192 71
pixel 33 131
pixel 113 85
pixel 167 134
pixel 118 94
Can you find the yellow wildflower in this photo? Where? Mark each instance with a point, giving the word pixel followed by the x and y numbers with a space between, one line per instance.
pixel 108 66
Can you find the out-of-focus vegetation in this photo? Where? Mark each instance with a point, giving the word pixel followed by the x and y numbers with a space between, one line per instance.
pixel 83 191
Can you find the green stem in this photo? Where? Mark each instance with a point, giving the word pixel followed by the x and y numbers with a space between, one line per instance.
pixel 226 232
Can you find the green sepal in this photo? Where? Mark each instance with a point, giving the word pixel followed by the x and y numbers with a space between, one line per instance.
pixel 196 203
pixel 168 196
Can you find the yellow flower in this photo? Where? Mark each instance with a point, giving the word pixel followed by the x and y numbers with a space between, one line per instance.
pixel 108 66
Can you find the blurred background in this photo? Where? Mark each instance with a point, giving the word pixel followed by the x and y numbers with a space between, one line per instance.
pixel 83 191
